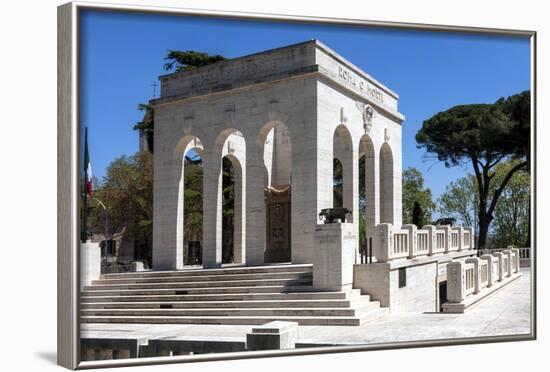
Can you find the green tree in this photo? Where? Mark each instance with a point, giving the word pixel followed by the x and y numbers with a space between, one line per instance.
pixel 460 201
pixel 418 217
pixel 512 213
pixel 415 192
pixel 518 109
pixel 192 203
pixel 483 135
pixel 228 210
pixel 147 125
pixel 127 192
pixel 511 220
pixel 185 60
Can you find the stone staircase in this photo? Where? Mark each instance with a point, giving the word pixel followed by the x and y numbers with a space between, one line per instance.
pixel 233 295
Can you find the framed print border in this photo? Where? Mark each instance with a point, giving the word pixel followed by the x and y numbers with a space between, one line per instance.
pixel 68 201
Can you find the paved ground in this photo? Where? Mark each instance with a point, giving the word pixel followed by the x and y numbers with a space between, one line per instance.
pixel 506 312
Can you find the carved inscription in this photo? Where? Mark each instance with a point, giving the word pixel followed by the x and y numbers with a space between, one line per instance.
pixel 361 84
pixel 239 71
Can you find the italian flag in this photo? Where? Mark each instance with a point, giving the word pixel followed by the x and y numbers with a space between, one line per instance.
pixel 87 167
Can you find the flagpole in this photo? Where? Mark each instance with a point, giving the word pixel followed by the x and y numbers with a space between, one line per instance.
pixel 84 231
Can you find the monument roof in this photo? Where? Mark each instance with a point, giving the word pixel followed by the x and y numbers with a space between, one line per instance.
pixel 302 58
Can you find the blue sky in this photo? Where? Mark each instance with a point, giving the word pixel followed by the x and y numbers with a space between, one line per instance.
pixel 122 56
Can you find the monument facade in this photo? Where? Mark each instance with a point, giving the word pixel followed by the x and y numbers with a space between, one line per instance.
pixel 281 117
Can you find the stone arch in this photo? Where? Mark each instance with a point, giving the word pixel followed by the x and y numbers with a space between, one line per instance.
pixel 386 184
pixel 274 144
pixel 185 145
pixel 342 147
pixel 236 251
pixel 231 143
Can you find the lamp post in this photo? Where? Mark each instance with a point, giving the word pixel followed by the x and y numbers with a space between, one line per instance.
pixel 106 223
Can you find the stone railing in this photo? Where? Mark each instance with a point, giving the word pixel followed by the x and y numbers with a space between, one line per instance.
pixel 400 244
pixel 470 279
pixel 472 276
pixel 467 238
pixel 411 242
pixel 422 243
pixel 524 254
pixel 483 274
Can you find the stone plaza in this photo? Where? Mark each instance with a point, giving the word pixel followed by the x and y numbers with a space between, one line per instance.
pixel 298 274
pixel 506 313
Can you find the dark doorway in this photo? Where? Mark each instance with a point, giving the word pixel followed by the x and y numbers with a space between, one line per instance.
pixel 228 210
pixel 442 294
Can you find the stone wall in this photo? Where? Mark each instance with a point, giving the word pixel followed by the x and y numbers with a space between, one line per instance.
pixel 420 292
pixel 90 263
pixel 381 282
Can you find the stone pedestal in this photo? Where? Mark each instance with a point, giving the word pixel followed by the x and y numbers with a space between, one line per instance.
pixel 334 256
pixel 500 264
pixel 518 258
pixel 492 270
pixel 90 263
pixel 455 282
pixel 273 336
pixel 509 264
pixel 477 272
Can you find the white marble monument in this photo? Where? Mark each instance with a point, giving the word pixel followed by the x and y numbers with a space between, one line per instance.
pixel 280 116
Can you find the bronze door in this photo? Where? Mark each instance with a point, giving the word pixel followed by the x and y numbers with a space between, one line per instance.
pixel 278 224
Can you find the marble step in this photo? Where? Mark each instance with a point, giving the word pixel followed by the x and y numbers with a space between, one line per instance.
pixel 230 304
pixel 275 296
pixel 146 313
pixel 205 284
pixel 207 278
pixel 233 320
pixel 184 291
pixel 219 271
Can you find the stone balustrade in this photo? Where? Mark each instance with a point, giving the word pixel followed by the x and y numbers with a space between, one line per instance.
pixel 401 244
pixel 522 257
pixel 456 242
pixel 423 241
pixel 492 266
pixel 475 275
pixel 483 274
pixel 409 242
pixel 468 237
pixel 446 229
